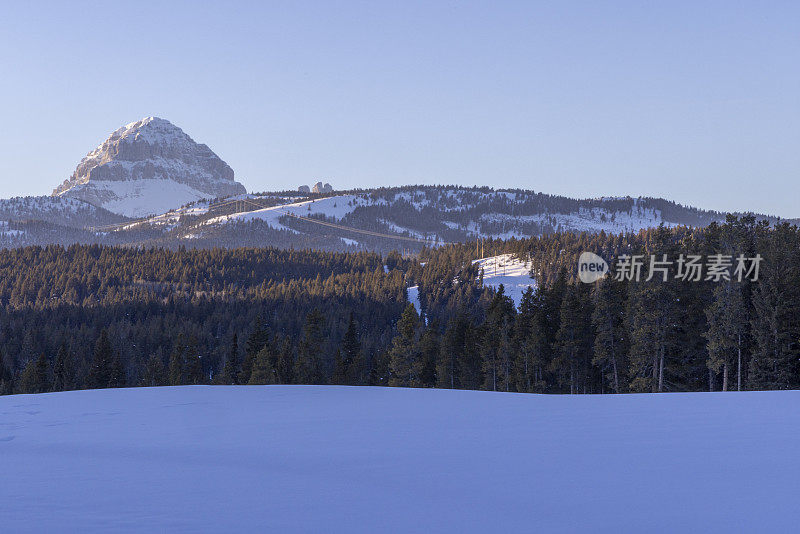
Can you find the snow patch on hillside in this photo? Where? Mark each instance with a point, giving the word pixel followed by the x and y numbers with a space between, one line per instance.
pixel 509 271
pixel 5 230
pixel 584 220
pixel 335 207
pixel 405 231
pixel 140 198
pixel 413 298
pixel 24 206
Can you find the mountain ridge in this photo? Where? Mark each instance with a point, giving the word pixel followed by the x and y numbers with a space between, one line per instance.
pixel 380 219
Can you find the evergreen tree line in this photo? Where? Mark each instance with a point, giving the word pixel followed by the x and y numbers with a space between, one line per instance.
pixel 158 317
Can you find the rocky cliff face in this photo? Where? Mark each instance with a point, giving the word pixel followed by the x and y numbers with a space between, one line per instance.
pixel 147 167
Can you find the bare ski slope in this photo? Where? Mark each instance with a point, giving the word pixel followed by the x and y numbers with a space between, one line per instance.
pixel 339 459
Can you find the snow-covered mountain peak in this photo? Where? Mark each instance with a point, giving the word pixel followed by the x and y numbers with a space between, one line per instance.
pixel 149 166
pixel 151 130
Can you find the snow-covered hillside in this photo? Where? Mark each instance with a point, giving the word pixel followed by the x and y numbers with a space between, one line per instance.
pixel 357 459
pixel 335 207
pixel 383 219
pixel 136 198
pixel 452 214
pixel 6 230
pixel 148 167
pixel 484 223
pixel 58 210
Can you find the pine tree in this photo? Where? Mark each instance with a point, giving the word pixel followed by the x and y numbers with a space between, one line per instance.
pixel 497 347
pixel 549 314
pixel 177 363
pixel 6 375
pixel 726 313
pixel 470 362
pixel 255 342
pixel 725 335
pixel 339 369
pixel 452 346
pixel 359 372
pixel 308 366
pixel 34 377
pixel 263 371
pixel 231 370
pixel 573 340
pixel 155 374
pixel 194 363
pixel 776 318
pixel 506 354
pixel 350 355
pixel 403 352
pixel 523 367
pixel 284 368
pixel 102 371
pixel 531 345
pixel 654 316
pixel 63 370
pixel 379 374
pixel 610 342
pixel 424 367
pixel 116 372
pixel 27 352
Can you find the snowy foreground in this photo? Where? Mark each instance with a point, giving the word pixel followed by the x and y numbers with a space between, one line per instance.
pixel 339 459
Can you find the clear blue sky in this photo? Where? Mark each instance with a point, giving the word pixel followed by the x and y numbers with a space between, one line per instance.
pixel 694 101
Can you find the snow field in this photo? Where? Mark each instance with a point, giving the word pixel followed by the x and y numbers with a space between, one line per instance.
pixel 336 206
pixel 359 459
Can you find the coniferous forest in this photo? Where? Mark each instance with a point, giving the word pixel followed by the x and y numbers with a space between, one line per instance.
pixel 91 316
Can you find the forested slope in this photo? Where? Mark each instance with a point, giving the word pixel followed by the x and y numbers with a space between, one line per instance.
pixel 93 316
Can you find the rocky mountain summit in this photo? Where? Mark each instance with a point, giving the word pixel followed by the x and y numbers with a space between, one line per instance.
pixel 147 167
